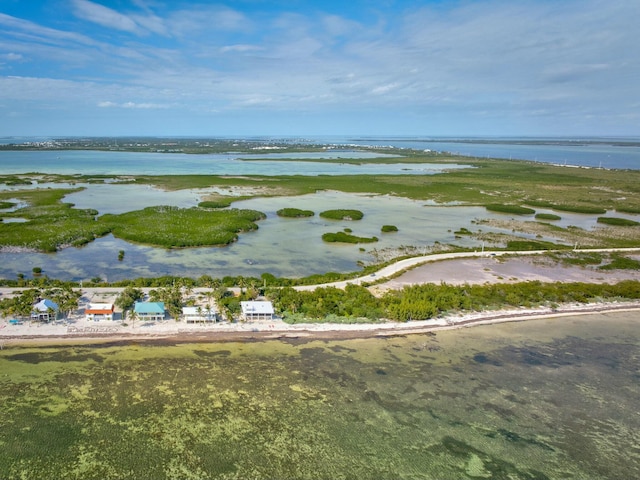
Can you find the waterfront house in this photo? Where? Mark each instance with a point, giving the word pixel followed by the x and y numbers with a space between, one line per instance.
pixel 256 310
pixel 198 314
pixel 99 311
pixel 45 310
pixel 149 310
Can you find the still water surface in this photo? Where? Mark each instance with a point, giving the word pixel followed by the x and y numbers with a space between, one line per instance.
pixel 281 246
pixel 541 400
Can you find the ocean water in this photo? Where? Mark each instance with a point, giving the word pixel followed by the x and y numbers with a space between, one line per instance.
pixel 547 399
pixel 618 153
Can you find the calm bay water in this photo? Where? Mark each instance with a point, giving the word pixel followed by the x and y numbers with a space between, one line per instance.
pixel 72 162
pixel 587 152
pixel 535 400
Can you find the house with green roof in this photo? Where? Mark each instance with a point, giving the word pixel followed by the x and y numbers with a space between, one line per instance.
pixel 153 311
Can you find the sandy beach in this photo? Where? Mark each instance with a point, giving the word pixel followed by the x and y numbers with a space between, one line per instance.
pixel 483 269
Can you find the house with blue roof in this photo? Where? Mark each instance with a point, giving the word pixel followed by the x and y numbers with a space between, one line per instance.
pixel 45 310
pixel 153 311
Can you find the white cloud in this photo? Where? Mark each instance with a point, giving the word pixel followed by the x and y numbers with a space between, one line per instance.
pixel 11 57
pixel 104 16
pixel 485 58
pixel 240 48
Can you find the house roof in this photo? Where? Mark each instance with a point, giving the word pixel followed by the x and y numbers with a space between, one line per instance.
pixel 149 307
pixel 255 308
pixel 99 308
pixel 44 305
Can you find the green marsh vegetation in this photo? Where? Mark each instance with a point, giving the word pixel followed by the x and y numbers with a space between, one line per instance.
pixel 548 216
pixel 487 182
pixel 346 237
pixel 618 222
pixel 294 213
pixel 216 203
pixel 342 214
pixel 388 228
pixel 50 223
pixel 173 227
pixel 513 209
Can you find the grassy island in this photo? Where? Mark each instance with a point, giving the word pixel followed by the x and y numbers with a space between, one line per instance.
pixel 618 222
pixel 294 213
pixel 172 227
pixel 514 209
pixel 342 214
pixel 548 216
pixel 346 237
pixel 389 228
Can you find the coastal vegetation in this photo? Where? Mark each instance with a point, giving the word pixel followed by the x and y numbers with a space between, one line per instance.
pixel 389 228
pixel 294 213
pixel 342 214
pixel 346 237
pixel 356 304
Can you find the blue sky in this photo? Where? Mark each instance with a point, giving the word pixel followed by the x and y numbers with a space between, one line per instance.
pixel 257 67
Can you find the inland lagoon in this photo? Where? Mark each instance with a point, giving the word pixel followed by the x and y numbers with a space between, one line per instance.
pixel 290 247
pixel 541 399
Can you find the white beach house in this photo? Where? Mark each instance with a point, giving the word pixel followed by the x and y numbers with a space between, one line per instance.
pixel 257 310
pixel 99 311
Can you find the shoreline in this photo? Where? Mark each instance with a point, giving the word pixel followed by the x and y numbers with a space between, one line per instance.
pixel 278 330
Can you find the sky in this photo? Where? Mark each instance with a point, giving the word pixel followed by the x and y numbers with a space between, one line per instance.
pixel 301 67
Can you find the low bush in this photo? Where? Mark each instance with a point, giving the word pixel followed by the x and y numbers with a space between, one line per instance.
pixel 389 228
pixel 618 262
pixel 520 245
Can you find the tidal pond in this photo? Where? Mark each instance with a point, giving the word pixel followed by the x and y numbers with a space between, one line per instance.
pixel 281 246
pixel 545 399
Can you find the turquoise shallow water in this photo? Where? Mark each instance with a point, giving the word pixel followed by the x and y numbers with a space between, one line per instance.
pixel 536 400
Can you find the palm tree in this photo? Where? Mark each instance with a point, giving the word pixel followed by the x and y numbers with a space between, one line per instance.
pixel 133 316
